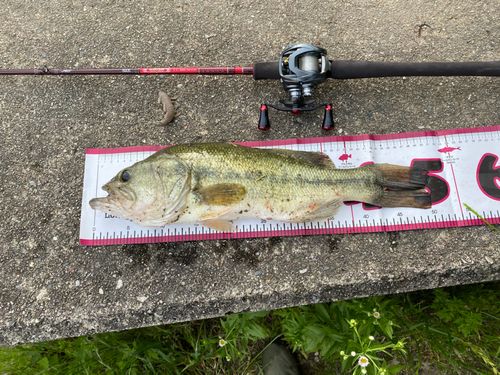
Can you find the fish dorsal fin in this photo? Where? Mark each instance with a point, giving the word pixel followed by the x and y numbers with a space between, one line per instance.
pixel 315 159
pixel 220 225
pixel 221 194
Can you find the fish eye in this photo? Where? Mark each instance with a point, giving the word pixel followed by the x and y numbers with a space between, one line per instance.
pixel 125 176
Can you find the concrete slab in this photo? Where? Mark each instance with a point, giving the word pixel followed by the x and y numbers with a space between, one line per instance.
pixel 51 287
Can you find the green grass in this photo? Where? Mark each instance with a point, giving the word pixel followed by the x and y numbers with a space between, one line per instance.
pixel 457 329
pixel 482 218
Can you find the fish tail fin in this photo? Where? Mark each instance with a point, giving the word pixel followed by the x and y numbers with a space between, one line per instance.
pixel 399 177
pixel 404 198
pixel 458 148
pixel 403 186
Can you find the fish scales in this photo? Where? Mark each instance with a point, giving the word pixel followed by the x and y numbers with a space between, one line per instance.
pixel 213 183
pixel 284 185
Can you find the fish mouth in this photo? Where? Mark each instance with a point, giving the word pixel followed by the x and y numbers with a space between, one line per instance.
pixel 108 203
pixel 125 196
pixel 117 199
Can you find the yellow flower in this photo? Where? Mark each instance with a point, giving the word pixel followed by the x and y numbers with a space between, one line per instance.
pixel 222 343
pixel 376 314
pixel 363 361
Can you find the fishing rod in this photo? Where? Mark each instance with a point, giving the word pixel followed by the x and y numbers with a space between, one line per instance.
pixel 301 68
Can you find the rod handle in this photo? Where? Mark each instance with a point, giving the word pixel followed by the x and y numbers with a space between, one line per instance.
pixel 266 70
pixel 347 69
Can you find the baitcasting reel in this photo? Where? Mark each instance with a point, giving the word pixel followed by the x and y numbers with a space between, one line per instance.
pixel 302 67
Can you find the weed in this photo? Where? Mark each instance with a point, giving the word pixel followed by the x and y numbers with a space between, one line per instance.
pixel 351 332
pixel 456 328
pixel 483 219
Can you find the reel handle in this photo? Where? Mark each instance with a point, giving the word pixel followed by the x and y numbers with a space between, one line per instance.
pixel 264 123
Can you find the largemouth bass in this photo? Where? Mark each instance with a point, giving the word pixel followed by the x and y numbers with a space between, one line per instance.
pixel 213 183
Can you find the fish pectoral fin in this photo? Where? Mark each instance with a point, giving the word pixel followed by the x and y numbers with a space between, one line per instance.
pixel 314 159
pixel 219 225
pixel 322 211
pixel 221 194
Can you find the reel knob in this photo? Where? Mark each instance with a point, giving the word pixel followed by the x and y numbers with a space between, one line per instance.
pixel 264 118
pixel 328 123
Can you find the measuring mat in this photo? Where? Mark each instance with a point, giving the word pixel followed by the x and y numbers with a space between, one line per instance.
pixel 463 165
